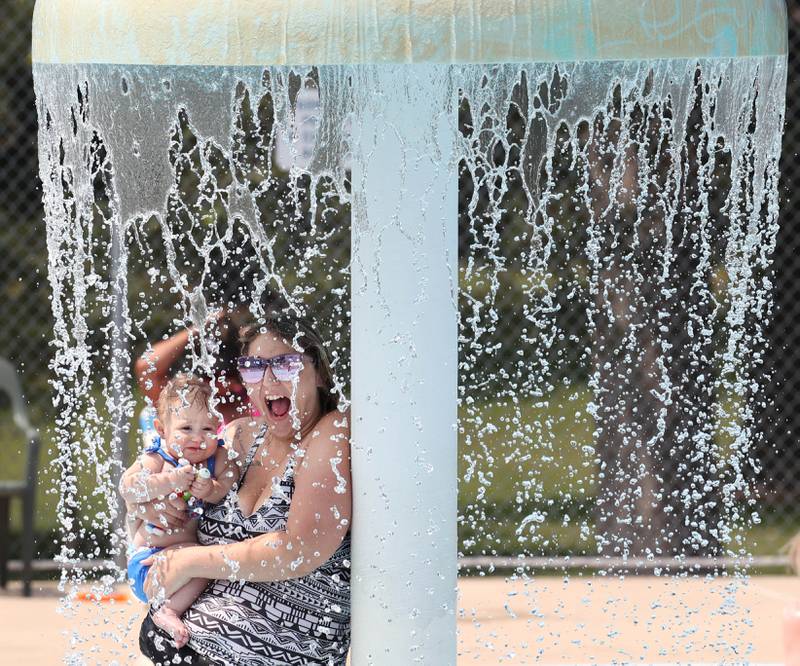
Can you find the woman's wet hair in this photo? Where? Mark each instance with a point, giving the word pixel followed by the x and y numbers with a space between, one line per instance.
pixel 299 333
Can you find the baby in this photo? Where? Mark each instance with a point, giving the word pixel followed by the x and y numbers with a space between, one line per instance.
pixel 186 460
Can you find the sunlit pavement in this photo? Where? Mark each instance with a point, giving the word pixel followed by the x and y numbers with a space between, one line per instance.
pixel 586 620
pixel 547 621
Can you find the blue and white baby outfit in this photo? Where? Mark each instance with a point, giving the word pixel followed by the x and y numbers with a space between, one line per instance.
pixel 137 572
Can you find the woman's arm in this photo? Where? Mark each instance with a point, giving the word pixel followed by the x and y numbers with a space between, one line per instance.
pixel 170 513
pixel 318 521
pixel 151 369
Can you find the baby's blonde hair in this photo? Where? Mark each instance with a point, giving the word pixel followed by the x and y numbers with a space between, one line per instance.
pixel 184 388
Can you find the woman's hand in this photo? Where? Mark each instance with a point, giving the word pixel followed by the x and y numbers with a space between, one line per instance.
pixel 169 571
pixel 167 513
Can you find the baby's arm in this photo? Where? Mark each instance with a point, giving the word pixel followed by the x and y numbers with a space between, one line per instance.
pixel 227 468
pixel 147 479
pixel 212 490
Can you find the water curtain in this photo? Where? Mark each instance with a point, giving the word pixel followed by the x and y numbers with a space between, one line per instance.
pixel 550 223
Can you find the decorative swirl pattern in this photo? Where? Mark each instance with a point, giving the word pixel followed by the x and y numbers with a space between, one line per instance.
pixel 305 32
pixel 724 28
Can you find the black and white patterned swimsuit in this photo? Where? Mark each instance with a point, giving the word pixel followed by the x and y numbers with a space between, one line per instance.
pixel 299 621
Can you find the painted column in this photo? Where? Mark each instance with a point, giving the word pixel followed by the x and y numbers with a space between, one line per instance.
pixel 404 356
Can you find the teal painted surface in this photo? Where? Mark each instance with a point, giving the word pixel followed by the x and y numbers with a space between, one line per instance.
pixel 303 32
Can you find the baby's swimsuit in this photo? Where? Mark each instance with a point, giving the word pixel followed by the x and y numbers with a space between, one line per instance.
pixel 136 571
pixel 300 621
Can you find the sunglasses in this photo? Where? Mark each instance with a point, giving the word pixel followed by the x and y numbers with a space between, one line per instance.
pixel 284 368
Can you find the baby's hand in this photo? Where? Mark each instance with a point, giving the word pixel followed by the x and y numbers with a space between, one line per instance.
pixel 202 485
pixel 183 477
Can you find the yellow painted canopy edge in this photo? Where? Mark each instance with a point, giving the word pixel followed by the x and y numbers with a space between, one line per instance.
pixel 328 32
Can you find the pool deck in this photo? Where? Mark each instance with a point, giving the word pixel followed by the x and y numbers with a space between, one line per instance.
pixel 547 620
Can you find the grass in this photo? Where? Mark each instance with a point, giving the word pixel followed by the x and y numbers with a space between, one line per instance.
pixel 518 460
pixel 514 461
pixel 526 459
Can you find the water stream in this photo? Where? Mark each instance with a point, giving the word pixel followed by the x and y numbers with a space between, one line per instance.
pixel 617 222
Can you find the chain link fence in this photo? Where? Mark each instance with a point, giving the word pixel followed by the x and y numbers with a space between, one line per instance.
pixel 779 454
pixel 24 301
pixel 26 308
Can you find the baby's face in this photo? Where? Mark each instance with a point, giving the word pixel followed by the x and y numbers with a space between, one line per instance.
pixel 190 431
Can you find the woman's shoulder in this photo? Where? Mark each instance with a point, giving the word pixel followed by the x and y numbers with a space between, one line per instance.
pixel 242 424
pixel 333 427
pixel 325 457
pixel 240 433
pixel 338 419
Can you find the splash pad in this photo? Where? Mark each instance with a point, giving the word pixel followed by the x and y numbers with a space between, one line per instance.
pixel 565 154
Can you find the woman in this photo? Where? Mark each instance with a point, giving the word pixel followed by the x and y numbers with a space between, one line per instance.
pixel 278 546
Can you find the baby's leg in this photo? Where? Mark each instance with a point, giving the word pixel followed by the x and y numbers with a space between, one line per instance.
pixel 168 616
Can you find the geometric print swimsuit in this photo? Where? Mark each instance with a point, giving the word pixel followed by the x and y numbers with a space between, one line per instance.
pixel 297 622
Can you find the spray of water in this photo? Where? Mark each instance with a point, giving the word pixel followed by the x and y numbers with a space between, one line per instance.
pixel 616 228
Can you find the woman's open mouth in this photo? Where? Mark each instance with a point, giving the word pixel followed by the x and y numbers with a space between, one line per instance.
pixel 278 406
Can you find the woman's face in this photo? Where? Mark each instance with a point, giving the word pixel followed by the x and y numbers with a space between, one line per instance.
pixel 289 406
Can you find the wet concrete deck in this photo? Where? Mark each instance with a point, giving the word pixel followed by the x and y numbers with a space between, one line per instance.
pixel 548 620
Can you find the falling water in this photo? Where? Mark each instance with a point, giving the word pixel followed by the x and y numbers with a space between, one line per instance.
pixel 616 228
